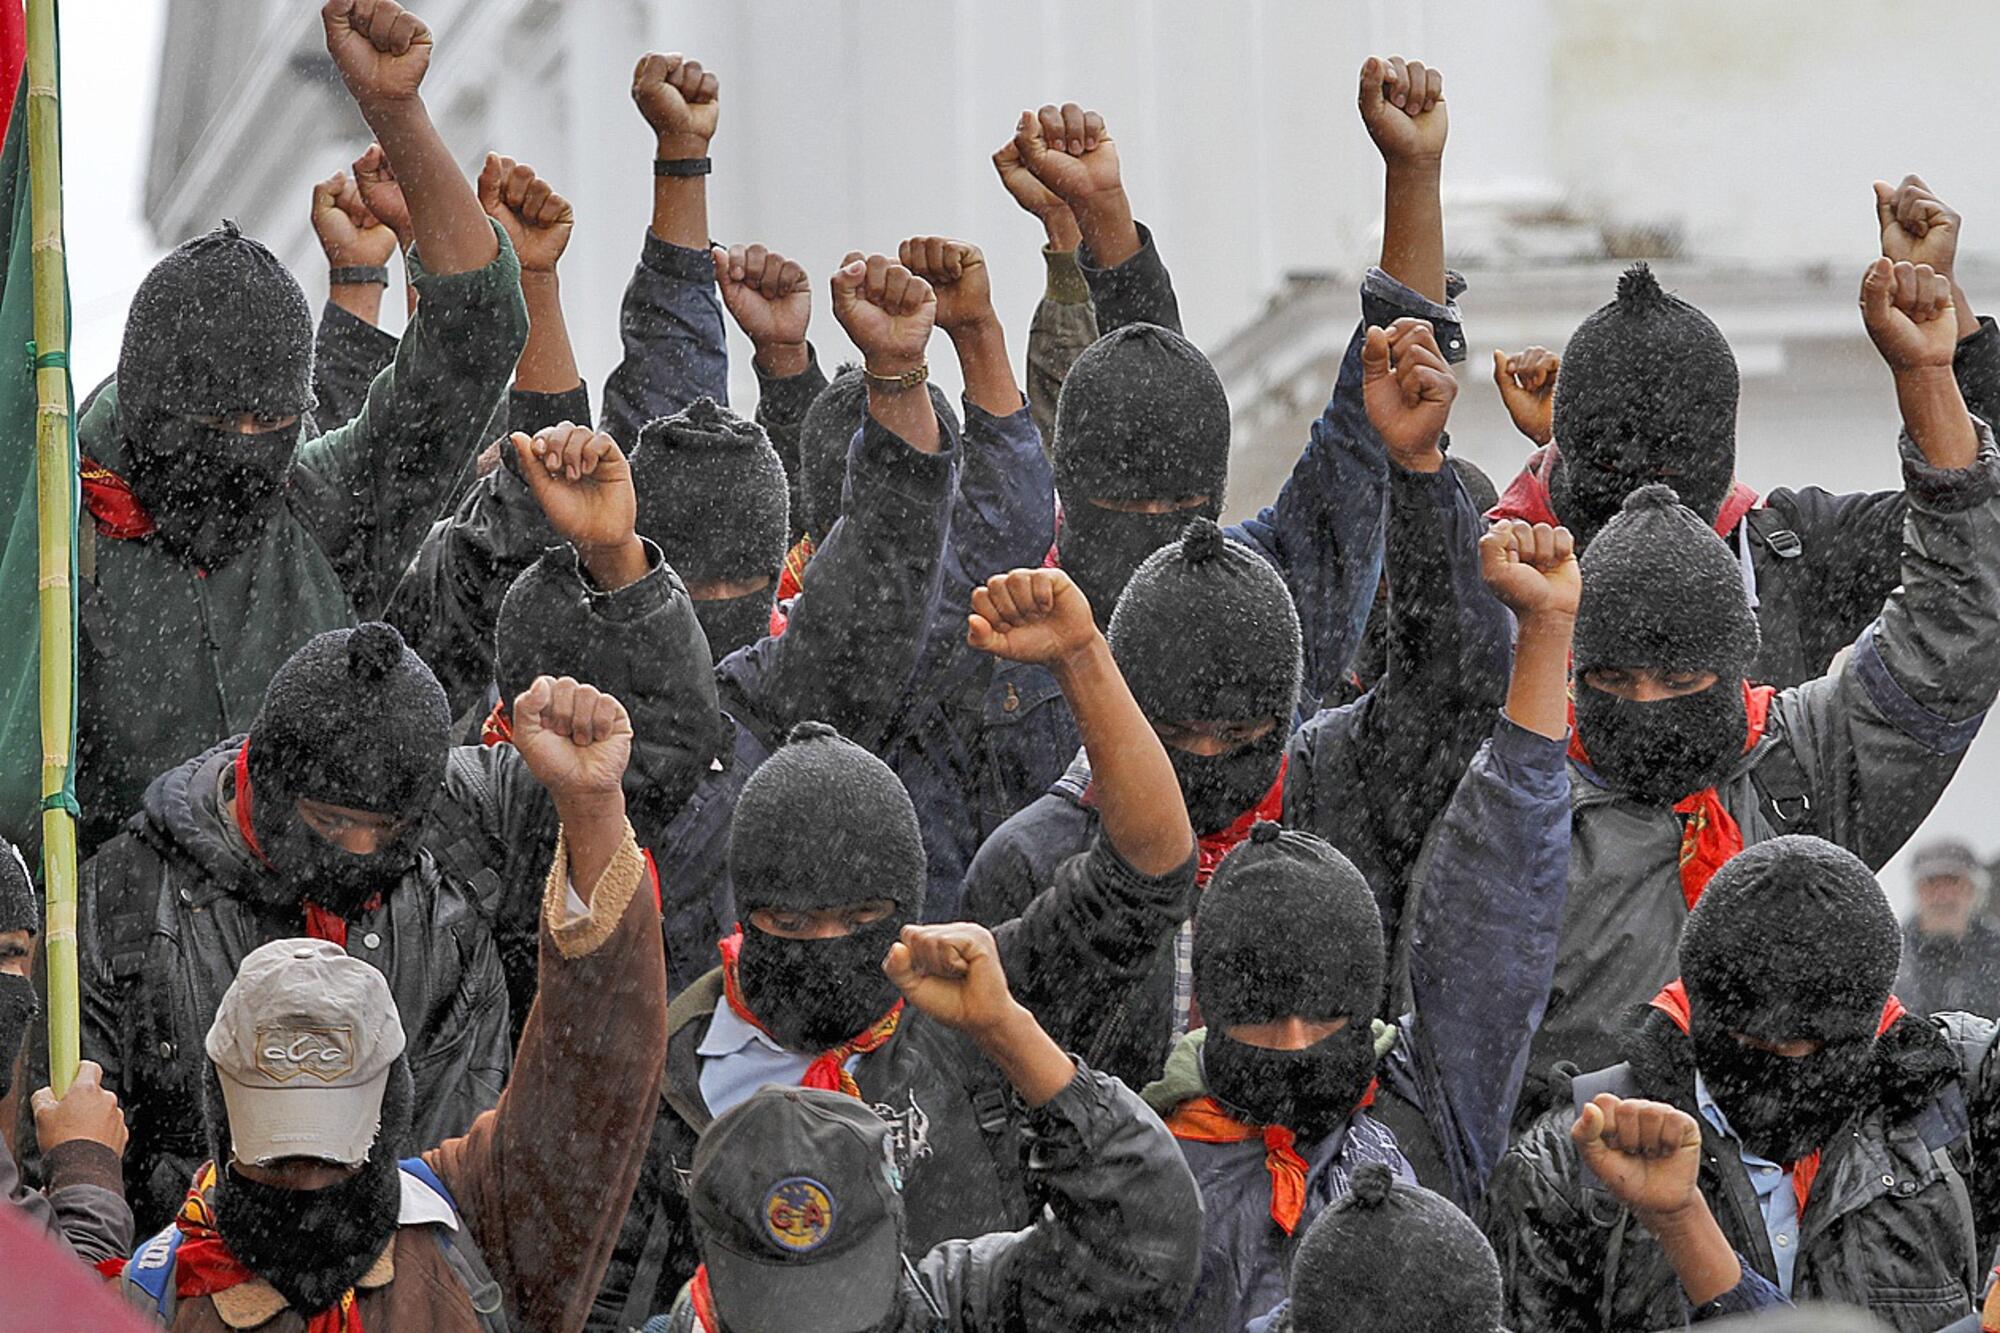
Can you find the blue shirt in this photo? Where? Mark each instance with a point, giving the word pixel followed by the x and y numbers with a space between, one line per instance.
pixel 1776 1198
pixel 738 1057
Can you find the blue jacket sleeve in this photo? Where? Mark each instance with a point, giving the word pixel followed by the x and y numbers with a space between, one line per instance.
pixel 1003 514
pixel 671 327
pixel 855 628
pixel 1324 534
pixel 1755 1292
pixel 1489 903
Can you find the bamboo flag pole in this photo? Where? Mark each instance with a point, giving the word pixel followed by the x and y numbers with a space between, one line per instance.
pixel 56 503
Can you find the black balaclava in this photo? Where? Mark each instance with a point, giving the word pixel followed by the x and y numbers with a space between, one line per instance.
pixel 826 433
pixel 1142 417
pixel 218 326
pixel 1661 590
pixel 18 1005
pixel 678 732
pixel 1287 928
pixel 1647 393
pixel 354 719
pixel 312 1245
pixel 712 496
pixel 1206 632
pixel 822 823
pixel 1393 1257
pixel 1792 939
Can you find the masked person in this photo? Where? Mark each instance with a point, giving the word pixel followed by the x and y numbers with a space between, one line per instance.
pixel 1647 392
pixel 1679 762
pixel 82 1134
pixel 801 1222
pixel 309 824
pixel 308 1210
pixel 828 867
pixel 220 538
pixel 1951 951
pixel 1834 1125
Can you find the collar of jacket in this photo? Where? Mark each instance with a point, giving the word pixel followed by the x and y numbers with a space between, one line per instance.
pixel 1527 496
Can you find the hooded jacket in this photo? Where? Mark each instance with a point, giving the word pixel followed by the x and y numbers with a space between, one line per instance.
pixel 169 908
pixel 172 659
pixel 1857 757
pixel 1900 1219
pixel 1114 1251
pixel 957 1151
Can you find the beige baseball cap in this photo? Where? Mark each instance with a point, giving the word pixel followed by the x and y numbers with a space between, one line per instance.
pixel 302 1043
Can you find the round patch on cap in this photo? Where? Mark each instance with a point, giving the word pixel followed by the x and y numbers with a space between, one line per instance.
pixel 798 1214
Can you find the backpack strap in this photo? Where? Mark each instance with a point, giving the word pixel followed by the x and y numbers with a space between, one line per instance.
pixel 1782 790
pixel 150 1273
pixel 461 1252
pixel 459 845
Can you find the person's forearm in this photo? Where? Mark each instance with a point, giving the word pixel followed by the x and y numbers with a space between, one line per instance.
pixel 1538 693
pixel 548 363
pixel 1701 1255
pixel 989 378
pixel 363 300
pixel 1033 1064
pixel 593 832
pixel 1059 225
pixel 1934 414
pixel 1413 228
pixel 451 231
pixel 782 361
pixel 680 203
pixel 1104 223
pixel 907 414
pixel 1138 796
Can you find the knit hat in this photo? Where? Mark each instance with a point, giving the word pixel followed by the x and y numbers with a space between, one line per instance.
pixel 219 325
pixel 1792 938
pixel 1287 926
pixel 1206 630
pixel 711 493
pixel 1648 388
pixel 1661 590
pixel 354 719
pixel 823 822
pixel 1393 1256
pixel 18 909
pixel 1142 416
pixel 825 435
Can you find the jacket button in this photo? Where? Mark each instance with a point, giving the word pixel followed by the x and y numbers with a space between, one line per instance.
pixel 187 895
pixel 1012 701
pixel 371 941
pixel 1889 1181
pixel 166 1050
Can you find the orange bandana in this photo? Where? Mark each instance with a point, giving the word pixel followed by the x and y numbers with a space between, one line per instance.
pixel 791 578
pixel 829 1069
pixel 1203 1120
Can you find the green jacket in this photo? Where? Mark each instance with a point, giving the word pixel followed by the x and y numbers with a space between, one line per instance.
pixel 173 659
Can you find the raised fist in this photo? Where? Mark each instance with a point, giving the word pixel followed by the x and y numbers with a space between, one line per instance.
pixel 350 235
pixel 956 271
pixel 1527 383
pixel 768 295
pixel 952 973
pixel 1531 567
pixel 887 310
pixel 382 193
pixel 380 48
pixel 537 219
pixel 1408 389
pixel 88 1111
pixel 1402 104
pixel 583 484
pixel 1035 198
pixel 1069 151
pixel 1648 1154
pixel 1917 226
pixel 575 739
pixel 1030 615
pixel 678 98
pixel 1908 312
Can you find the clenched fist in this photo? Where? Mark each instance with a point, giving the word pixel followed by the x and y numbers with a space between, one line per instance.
pixel 887 310
pixel 1648 1154
pixel 1069 151
pixel 575 739
pixel 536 219
pixel 1031 615
pixel 680 100
pixel 1408 389
pixel 381 49
pixel 1908 311
pixel 1531 567
pixel 1527 383
pixel 348 232
pixel 956 271
pixel 770 299
pixel 952 973
pixel 382 193
pixel 1917 226
pixel 1402 104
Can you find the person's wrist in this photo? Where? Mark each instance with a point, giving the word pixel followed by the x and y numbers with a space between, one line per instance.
pixel 1427 458
pixel 672 146
pixel 1059 225
pixel 378 108
pixel 1924 378
pixel 1547 623
pixel 979 329
pixel 540 277
pixel 1093 654
pixel 1099 207
pixel 1682 1220
pixel 1414 166
pixel 614 565
pixel 589 806
pixel 890 365
pixel 1003 1028
pixel 783 360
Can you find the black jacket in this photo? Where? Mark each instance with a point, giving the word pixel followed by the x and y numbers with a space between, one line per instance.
pixel 168 909
pixel 1901 1216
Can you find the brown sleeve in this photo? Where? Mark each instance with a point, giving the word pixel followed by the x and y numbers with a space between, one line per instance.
pixel 544 1178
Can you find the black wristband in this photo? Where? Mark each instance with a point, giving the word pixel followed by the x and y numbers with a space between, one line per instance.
pixel 682 166
pixel 355 275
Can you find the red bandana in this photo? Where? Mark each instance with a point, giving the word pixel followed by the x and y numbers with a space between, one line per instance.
pixel 791 579
pixel 203 1264
pixel 1709 836
pixel 829 1069
pixel 1673 1002
pixel 1527 496
pixel 498 728
pixel 320 923
pixel 703 1301
pixel 108 496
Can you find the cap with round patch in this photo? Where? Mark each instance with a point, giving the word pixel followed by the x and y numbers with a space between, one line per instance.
pixel 798 1214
